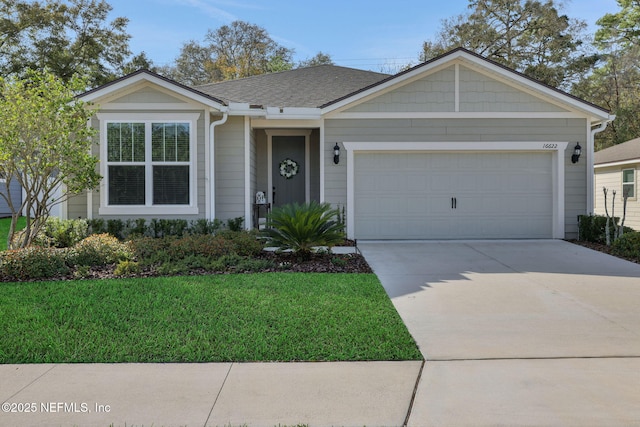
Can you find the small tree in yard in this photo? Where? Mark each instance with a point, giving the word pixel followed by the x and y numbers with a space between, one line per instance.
pixel 618 230
pixel 45 143
pixel 301 227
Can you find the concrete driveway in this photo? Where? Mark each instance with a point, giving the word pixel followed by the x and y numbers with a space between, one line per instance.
pixel 517 332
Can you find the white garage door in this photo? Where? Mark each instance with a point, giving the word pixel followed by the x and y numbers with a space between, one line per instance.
pixel 420 195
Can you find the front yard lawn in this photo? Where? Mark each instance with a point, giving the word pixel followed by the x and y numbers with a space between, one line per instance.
pixel 210 318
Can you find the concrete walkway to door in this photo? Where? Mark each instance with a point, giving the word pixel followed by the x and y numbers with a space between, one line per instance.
pixel 517 332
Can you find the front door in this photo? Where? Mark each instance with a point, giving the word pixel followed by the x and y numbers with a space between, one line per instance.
pixel 288 169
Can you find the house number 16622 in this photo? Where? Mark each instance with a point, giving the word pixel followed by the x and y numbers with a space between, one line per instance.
pixel 549 145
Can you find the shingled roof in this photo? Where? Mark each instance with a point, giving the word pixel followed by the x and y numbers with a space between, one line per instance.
pixel 309 87
pixel 629 150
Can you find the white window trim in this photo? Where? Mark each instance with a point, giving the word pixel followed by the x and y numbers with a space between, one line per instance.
pixel 149 208
pixel 633 182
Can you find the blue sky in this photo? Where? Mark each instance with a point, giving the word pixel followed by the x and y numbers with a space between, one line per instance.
pixel 367 34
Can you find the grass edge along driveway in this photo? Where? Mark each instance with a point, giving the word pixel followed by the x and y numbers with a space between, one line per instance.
pixel 212 318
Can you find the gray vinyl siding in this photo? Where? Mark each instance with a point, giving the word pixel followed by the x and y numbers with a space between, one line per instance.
pixel 481 93
pixel 432 93
pixel 148 95
pixel 229 180
pixel 16 197
pixel 436 93
pixel 77 206
pixel 465 130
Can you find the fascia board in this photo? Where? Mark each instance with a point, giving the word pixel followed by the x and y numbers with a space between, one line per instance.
pixel 292 113
pixel 617 163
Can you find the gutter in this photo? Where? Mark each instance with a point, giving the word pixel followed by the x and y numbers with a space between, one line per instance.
pixel 590 164
pixel 212 163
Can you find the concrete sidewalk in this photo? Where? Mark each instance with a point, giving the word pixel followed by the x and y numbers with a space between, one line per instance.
pixel 208 394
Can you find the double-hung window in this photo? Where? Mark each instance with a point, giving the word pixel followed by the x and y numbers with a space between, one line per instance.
pixel 629 183
pixel 148 164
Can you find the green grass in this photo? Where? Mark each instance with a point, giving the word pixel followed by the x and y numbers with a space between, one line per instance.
pixel 4 230
pixel 218 318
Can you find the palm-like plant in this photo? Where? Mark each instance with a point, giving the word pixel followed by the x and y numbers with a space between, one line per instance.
pixel 301 227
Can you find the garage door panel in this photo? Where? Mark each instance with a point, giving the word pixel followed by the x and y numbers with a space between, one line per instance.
pixel 409 195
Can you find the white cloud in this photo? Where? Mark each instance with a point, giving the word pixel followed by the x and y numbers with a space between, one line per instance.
pixel 210 9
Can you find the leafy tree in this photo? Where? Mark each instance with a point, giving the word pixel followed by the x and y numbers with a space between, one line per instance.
pixel 615 84
pixel 622 27
pixel 136 63
pixel 530 36
pixel 230 52
pixel 64 36
pixel 242 50
pixel 194 65
pixel 44 144
pixel 320 58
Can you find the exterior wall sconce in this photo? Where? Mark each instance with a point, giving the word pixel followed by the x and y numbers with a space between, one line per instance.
pixel 336 154
pixel 576 153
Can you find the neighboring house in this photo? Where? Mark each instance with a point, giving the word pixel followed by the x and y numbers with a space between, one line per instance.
pixel 459 147
pixel 617 168
pixel 16 195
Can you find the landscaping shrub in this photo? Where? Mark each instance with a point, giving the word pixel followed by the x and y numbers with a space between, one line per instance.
pixel 235 224
pixel 127 268
pixel 34 262
pixel 62 233
pixel 628 245
pixel 591 228
pixel 149 250
pixel 244 243
pixel 98 250
pixel 168 227
pixel 205 226
pixel 133 228
pixel 173 255
pixel 302 227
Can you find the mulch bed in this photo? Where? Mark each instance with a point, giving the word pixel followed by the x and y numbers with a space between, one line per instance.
pixel 319 263
pixel 601 247
pixel 283 262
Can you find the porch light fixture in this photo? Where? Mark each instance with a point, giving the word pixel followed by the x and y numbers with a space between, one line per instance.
pixel 576 153
pixel 336 154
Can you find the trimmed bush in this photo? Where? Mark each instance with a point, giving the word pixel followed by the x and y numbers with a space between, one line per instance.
pixel 628 245
pixel 34 262
pixel 98 250
pixel 591 228
pixel 243 243
pixel 134 228
pixel 195 251
pixel 127 268
pixel 62 233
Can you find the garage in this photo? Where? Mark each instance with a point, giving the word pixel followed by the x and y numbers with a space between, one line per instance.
pixel 453 195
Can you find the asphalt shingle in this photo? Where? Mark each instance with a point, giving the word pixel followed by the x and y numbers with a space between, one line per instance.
pixel 626 151
pixel 308 87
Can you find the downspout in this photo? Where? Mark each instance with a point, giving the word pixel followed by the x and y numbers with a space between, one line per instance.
pixel 590 164
pixel 212 163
